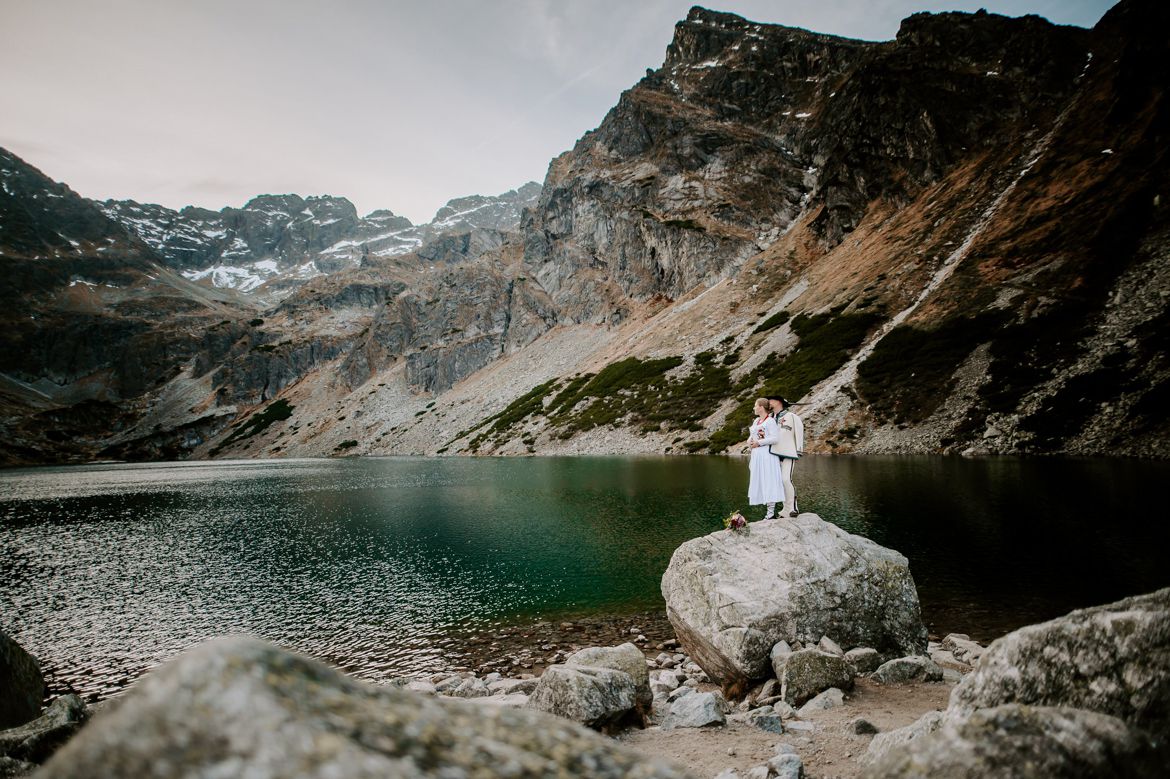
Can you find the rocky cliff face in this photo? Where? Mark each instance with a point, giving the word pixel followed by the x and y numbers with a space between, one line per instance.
pixel 93 320
pixel 955 241
pixel 275 243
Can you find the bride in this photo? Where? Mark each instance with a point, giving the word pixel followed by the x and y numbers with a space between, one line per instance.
pixel 765 485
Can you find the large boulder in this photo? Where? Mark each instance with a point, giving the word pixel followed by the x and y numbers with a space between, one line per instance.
pixel 595 697
pixel 626 658
pixel 241 707
pixel 806 672
pixel 731 597
pixel 21 682
pixel 1028 743
pixel 1112 659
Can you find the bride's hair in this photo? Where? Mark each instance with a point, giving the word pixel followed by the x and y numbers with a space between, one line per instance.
pixel 761 402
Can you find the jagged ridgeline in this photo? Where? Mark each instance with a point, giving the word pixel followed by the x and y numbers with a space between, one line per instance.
pixel 954 241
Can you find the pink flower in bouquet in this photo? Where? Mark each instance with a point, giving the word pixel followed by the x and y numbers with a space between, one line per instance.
pixel 735 521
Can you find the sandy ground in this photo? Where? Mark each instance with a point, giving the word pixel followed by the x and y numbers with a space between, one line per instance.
pixel 831 750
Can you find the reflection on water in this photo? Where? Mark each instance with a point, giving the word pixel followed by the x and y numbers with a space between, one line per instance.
pixel 371 563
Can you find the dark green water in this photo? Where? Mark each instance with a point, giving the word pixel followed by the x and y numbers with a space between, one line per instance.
pixel 373 563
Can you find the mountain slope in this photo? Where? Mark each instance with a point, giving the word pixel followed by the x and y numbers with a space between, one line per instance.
pixel 955 241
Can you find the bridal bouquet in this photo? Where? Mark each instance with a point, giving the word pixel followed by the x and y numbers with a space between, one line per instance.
pixel 735 521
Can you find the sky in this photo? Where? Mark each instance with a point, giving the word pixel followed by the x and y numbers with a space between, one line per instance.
pixel 392 104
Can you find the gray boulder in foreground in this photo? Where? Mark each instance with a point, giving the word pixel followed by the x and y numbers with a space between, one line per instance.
pixel 1026 742
pixel 731 597
pixel 1112 659
pixel 595 697
pixel 21 684
pixel 242 707
pixel 626 658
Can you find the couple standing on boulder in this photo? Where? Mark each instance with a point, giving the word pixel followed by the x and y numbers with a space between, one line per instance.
pixel 776 438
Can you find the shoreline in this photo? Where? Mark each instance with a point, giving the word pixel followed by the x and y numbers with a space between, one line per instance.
pixel 525 646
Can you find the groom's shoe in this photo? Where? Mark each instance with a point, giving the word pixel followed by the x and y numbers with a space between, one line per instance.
pixel 793 513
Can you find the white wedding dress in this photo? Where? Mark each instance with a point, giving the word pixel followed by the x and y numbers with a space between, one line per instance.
pixel 765 484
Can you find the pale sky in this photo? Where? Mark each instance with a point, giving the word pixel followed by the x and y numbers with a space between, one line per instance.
pixel 393 104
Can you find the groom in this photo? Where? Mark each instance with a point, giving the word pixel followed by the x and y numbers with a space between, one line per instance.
pixel 790 447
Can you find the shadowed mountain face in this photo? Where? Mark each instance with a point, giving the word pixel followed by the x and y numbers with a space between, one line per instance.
pixel 953 241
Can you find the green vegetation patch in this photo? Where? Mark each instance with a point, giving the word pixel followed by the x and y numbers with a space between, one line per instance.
pixel 341 447
pixel 826 342
pixel 911 371
pixel 257 423
pixel 531 402
pixel 772 322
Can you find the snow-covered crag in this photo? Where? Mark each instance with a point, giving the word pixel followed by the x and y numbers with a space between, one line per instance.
pixel 277 242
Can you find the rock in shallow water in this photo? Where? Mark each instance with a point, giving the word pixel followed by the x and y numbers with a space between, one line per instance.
pixel 36 741
pixel 732 597
pixel 22 684
pixel 241 707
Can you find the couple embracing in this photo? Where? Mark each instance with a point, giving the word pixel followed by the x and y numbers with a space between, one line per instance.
pixel 776 438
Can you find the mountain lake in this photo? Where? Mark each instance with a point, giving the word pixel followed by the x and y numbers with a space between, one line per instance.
pixel 378 565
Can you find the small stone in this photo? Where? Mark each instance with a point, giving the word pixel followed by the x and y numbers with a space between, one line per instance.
pixel 679 692
pixel 797 726
pixel 420 685
pixel 759 772
pixel 863 660
pixel 768 689
pixel 784 749
pixel 829 699
pixel 731 751
pixel 962 648
pixel 863 727
pixel 902 670
pixel 727 773
pixel 695 711
pixel 827 644
pixel 471 688
pixel 786 767
pixel 766 720
pixel 784 710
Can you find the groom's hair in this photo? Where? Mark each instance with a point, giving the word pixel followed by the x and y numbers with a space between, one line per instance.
pixel 779 400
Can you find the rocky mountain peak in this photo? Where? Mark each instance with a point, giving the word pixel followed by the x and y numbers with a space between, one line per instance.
pixel 275 243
